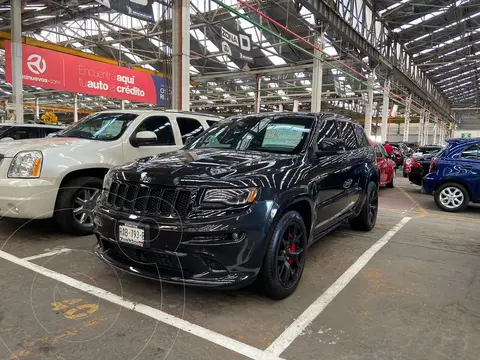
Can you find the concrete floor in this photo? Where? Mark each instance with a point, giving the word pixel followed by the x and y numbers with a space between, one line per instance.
pixel 417 298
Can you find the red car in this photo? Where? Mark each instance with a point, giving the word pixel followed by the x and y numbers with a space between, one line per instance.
pixel 386 165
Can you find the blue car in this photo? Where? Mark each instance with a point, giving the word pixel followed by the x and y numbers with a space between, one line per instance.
pixel 454 176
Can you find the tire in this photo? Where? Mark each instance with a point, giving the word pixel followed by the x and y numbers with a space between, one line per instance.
pixel 391 184
pixel 365 221
pixel 68 199
pixel 457 201
pixel 274 270
pixel 405 174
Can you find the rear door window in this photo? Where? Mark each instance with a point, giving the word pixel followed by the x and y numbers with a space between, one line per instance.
pixel 189 128
pixel 348 135
pixel 24 132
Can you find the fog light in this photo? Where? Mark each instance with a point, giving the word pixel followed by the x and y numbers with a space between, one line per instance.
pixel 13 208
pixel 235 236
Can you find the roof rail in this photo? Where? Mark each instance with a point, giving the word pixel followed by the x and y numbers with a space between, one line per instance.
pixel 191 112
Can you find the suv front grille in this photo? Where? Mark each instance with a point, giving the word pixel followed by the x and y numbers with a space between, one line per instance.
pixel 149 200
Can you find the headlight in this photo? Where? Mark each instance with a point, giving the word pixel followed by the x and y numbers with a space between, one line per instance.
pixel 26 164
pixel 230 196
pixel 408 161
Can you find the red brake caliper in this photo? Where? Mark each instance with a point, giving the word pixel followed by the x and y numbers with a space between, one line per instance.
pixel 291 248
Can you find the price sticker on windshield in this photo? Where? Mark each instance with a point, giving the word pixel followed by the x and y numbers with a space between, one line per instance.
pixel 284 135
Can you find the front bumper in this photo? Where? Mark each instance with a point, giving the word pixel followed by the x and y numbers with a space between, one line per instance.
pixel 27 198
pixel 200 253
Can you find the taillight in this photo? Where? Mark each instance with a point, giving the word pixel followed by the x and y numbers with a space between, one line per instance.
pixel 433 166
pixel 415 165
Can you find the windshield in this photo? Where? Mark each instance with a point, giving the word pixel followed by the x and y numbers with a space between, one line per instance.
pixel 276 134
pixel 100 126
pixel 4 129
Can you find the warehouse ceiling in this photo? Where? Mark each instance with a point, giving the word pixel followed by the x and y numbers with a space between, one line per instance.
pixel 441 37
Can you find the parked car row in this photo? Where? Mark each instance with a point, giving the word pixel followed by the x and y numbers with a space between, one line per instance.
pixel 419 162
pixel 210 202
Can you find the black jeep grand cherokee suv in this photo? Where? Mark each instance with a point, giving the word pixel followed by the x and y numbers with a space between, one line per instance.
pixel 243 201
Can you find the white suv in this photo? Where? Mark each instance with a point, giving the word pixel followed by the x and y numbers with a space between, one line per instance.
pixel 61 177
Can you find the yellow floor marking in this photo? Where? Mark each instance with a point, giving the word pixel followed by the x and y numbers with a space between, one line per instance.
pixel 409 197
pixel 74 311
pixel 54 339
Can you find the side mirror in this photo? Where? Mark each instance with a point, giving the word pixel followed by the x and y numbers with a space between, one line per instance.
pixel 144 137
pixel 330 146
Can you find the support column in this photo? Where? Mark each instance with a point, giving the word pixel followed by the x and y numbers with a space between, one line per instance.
pixel 17 80
pixel 442 133
pixel 280 107
pixel 406 124
pixel 385 111
pixel 37 109
pixel 421 127
pixel 122 104
pixel 317 76
pixel 257 93
pixel 369 107
pixel 425 128
pixel 181 55
pixel 75 107
pixel 296 105
pixel 435 130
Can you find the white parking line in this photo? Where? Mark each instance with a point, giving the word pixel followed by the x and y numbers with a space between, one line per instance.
pixel 305 319
pixel 47 254
pixel 216 338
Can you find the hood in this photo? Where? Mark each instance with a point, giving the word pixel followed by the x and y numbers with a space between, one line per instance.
pixel 11 148
pixel 201 166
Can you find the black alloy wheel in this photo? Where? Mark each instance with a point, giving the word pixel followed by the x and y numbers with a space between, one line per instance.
pixel 285 257
pixel 366 220
pixel 289 256
pixel 372 207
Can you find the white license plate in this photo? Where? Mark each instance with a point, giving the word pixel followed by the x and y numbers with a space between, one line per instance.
pixel 131 235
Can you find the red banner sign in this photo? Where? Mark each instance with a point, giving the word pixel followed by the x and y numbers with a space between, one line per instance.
pixel 53 70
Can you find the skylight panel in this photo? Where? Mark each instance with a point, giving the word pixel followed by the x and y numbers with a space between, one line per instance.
pixel 194 70
pixel 275 59
pixel 200 36
pixel 445 43
pixel 226 60
pixel 392 7
pixel 454 77
pixel 429 16
pixel 307 15
pixel 444 28
pixel 149 67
